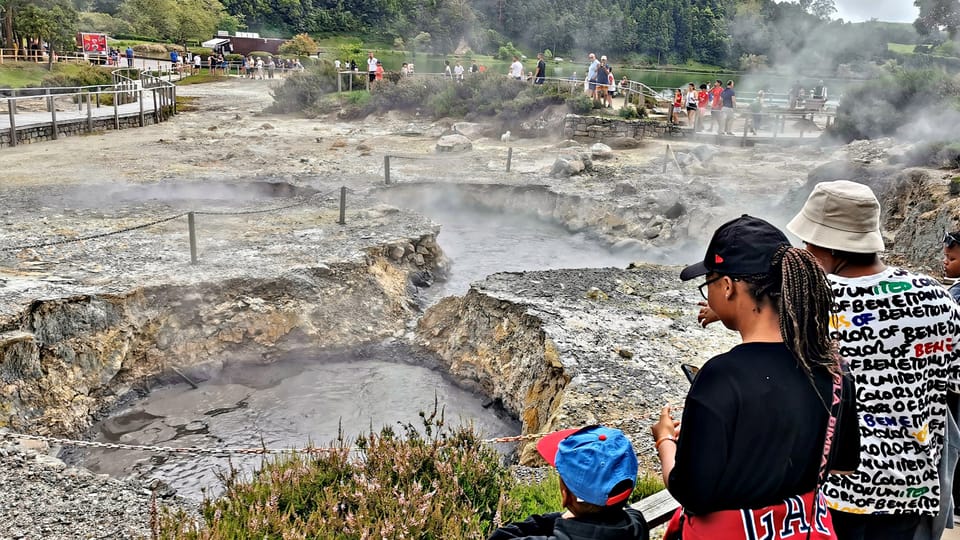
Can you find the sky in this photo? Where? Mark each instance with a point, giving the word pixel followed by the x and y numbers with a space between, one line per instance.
pixel 883 10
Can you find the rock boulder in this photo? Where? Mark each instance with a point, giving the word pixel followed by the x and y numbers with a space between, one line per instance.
pixel 454 143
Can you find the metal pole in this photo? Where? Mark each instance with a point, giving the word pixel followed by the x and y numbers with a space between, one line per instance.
pixel 89 112
pixel 386 169
pixel 98 96
pixel 191 225
pixel 343 205
pixel 173 98
pixel 13 122
pixel 156 111
pixel 116 111
pixel 509 157
pixel 140 100
pixel 53 118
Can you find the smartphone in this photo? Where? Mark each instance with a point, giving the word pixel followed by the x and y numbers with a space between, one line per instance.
pixel 690 371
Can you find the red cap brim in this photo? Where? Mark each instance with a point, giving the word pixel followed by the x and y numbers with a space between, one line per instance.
pixel 548 444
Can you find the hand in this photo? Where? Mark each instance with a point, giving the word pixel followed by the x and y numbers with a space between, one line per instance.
pixel 706 315
pixel 666 427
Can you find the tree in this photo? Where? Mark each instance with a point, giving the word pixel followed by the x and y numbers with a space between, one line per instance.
pixel 300 45
pixel 936 14
pixel 52 22
pixel 422 41
pixel 178 21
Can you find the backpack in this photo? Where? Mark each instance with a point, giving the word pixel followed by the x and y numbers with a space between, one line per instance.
pixel 602 74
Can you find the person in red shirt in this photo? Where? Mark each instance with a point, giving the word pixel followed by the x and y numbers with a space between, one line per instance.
pixel 703 99
pixel 378 74
pixel 716 105
pixel 677 105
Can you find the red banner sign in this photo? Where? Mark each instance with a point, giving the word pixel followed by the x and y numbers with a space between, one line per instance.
pixel 93 43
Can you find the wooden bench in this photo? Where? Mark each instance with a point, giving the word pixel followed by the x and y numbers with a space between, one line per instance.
pixel 658 508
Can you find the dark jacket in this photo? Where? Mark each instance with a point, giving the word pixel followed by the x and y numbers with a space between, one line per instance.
pixel 618 525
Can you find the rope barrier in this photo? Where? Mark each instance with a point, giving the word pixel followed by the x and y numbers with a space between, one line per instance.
pixel 218 452
pixel 164 220
pixel 93 236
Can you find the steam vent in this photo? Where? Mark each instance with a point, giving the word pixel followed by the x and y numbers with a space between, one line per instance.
pixel 237 279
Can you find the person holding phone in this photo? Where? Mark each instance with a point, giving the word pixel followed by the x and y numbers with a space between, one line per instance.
pixel 764 422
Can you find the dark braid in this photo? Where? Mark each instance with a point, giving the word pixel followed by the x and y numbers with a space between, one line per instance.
pixel 803 298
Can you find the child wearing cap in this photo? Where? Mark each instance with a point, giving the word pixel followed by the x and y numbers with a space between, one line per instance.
pixel 598 470
pixel 764 422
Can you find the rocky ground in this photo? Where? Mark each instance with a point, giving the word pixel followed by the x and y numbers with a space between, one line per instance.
pixel 41 497
pixel 607 344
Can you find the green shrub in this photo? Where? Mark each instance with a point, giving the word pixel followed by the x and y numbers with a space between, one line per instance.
pixel 507 51
pixel 303 89
pixel 85 75
pixel 580 104
pixel 260 54
pixel 630 112
pixel 883 105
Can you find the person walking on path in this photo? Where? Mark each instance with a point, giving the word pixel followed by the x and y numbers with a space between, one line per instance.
pixel 129 53
pixel 371 66
pixel 899 332
pixel 541 73
pixel 766 421
pixel 516 69
pixel 728 98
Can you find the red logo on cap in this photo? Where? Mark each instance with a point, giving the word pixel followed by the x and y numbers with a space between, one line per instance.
pixel 717 259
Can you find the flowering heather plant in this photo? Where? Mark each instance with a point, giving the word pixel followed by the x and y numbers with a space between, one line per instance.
pixel 432 482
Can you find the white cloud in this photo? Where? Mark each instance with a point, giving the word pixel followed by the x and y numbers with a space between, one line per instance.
pixel 883 10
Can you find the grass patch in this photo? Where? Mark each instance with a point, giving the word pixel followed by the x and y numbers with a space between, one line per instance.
pixel 202 78
pixel 27 74
pixel 187 104
pixel 900 48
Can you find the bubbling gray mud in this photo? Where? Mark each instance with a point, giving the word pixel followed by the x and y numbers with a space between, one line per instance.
pixel 289 403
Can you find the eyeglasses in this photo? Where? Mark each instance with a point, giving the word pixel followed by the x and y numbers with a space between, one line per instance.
pixel 703 293
pixel 950 239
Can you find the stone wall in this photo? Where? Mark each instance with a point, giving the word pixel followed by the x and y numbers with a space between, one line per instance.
pixel 44 132
pixel 598 129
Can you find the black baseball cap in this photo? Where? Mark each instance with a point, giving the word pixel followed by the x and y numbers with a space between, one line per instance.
pixel 742 247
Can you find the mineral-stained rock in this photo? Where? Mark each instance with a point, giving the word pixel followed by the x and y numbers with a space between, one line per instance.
pixel 538 343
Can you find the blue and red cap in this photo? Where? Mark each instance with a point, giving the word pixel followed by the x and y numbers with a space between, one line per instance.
pixel 742 247
pixel 591 461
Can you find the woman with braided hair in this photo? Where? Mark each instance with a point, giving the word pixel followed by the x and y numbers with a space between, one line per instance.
pixel 764 422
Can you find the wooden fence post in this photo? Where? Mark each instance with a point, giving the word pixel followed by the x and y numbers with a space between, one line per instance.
pixel 140 100
pixel 89 112
pixel 386 169
pixel 13 122
pixel 53 118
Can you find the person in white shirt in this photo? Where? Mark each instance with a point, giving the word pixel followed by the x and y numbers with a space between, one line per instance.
pixel 371 66
pixel 458 72
pixel 336 65
pixel 516 69
pixel 197 62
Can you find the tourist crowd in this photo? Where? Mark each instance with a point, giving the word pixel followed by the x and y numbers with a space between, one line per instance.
pixel 834 418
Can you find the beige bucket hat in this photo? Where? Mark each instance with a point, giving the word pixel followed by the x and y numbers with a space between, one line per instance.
pixel 840 215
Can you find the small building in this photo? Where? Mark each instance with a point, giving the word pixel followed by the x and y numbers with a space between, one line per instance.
pixel 243 43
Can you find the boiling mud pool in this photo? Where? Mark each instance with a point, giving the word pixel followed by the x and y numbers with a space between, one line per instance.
pixel 290 403
pixel 293 402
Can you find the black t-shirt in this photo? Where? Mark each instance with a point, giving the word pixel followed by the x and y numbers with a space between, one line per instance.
pixel 541 69
pixel 753 428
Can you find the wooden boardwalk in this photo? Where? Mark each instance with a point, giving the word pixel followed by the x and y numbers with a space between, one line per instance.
pixel 27 119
